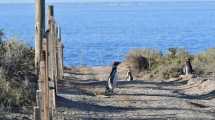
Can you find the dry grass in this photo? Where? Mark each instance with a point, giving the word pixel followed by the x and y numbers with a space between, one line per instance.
pixel 169 65
pixel 143 59
pixel 150 64
pixel 17 80
pixel 204 63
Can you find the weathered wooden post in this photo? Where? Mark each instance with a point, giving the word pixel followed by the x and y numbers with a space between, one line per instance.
pixel 51 63
pixel 39 33
pixel 39 30
pixel 62 61
pixel 59 55
pixel 45 89
pixel 37 109
pixel 48 61
pixel 55 56
pixel 61 52
pixel 36 114
pixel 51 41
pixel 47 78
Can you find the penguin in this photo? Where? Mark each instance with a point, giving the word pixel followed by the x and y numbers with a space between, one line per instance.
pixel 129 76
pixel 112 79
pixel 187 69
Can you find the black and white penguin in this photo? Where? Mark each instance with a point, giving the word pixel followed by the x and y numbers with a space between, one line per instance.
pixel 187 69
pixel 129 76
pixel 112 79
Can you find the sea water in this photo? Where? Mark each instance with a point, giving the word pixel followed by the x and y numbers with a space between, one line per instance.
pixel 96 34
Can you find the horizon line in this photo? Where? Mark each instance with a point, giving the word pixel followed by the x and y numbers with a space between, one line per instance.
pixel 110 1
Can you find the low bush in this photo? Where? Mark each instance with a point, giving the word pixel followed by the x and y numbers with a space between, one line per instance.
pixel 169 64
pixel 17 79
pixel 143 59
pixel 204 63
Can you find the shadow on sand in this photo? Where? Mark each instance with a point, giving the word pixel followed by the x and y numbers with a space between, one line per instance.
pixel 76 87
pixel 84 106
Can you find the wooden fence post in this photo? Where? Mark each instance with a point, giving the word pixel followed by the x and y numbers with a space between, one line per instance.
pixel 36 114
pixel 45 92
pixel 39 30
pixel 48 61
pixel 60 55
pixel 51 41
pixel 51 63
pixel 38 109
pixel 55 57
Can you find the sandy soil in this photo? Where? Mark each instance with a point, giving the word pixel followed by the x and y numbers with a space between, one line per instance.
pixel 81 96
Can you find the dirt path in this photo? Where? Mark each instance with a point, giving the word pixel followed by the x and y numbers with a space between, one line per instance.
pixel 84 99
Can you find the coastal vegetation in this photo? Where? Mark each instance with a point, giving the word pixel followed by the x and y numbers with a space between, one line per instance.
pixel 17 79
pixel 169 64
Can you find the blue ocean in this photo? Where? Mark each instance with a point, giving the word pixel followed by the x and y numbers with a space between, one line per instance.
pixel 96 34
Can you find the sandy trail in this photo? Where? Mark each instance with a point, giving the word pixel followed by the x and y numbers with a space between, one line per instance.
pixel 177 99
